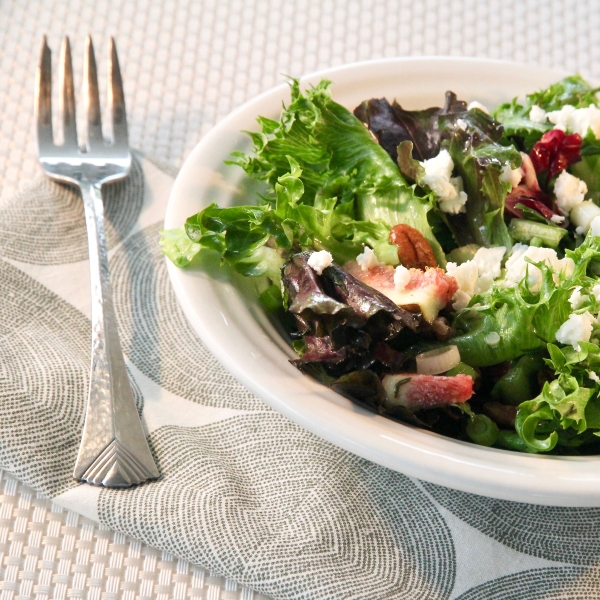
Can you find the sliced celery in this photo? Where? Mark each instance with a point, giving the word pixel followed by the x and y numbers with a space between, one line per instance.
pixel 523 230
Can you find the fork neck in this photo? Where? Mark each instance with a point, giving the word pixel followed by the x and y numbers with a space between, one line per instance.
pixel 97 244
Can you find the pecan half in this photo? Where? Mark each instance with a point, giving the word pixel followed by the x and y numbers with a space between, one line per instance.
pixel 414 251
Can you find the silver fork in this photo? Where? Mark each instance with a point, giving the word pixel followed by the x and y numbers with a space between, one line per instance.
pixel 114 451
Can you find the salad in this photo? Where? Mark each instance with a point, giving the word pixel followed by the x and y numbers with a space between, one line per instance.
pixel 439 267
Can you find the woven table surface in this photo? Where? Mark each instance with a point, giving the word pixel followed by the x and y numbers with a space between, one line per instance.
pixel 186 64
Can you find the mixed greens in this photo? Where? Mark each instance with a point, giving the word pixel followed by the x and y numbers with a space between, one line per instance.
pixel 448 237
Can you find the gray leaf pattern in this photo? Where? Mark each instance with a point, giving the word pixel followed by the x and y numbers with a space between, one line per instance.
pixel 44 224
pixel 265 502
pixel 561 583
pixel 554 533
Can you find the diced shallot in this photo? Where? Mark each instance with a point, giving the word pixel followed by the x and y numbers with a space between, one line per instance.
pixel 438 360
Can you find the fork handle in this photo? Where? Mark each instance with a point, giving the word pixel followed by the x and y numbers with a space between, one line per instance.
pixel 114 451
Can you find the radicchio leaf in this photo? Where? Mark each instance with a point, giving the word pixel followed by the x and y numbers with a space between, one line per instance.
pixel 321 349
pixel 524 197
pixel 555 152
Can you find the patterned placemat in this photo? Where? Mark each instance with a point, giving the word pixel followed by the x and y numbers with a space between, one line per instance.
pixel 187 64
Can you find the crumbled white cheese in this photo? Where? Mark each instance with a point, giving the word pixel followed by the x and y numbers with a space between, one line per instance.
pixel 461 300
pixel 576 120
pixel 440 165
pixel 466 276
pixel 590 120
pixel 537 114
pixel 448 189
pixel 512 176
pixel 579 121
pixel 441 187
pixel 517 268
pixel 320 261
pixel 593 376
pixel 367 260
pixel 560 118
pixel 583 214
pixel 478 105
pixel 557 219
pixel 576 329
pixel 595 226
pixel 475 276
pixel 402 276
pixel 455 204
pixel 596 291
pixel 577 299
pixel 462 124
pixel 489 261
pixel 569 191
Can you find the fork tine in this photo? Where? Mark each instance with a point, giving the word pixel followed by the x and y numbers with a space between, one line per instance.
pixel 91 95
pixel 67 98
pixel 116 98
pixel 43 98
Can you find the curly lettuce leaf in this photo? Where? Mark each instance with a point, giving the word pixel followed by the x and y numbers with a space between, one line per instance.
pixel 178 247
pixel 573 90
pixel 256 240
pixel 338 159
pixel 568 406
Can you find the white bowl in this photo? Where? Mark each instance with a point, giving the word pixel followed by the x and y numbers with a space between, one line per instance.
pixel 233 327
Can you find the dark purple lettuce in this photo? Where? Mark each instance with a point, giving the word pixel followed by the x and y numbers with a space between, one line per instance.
pixel 391 125
pixel 342 324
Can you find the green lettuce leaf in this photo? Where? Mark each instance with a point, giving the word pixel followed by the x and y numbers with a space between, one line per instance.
pixel 588 168
pixel 338 159
pixel 479 159
pixel 178 247
pixel 521 321
pixel 256 240
pixel 568 406
pixel 573 90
